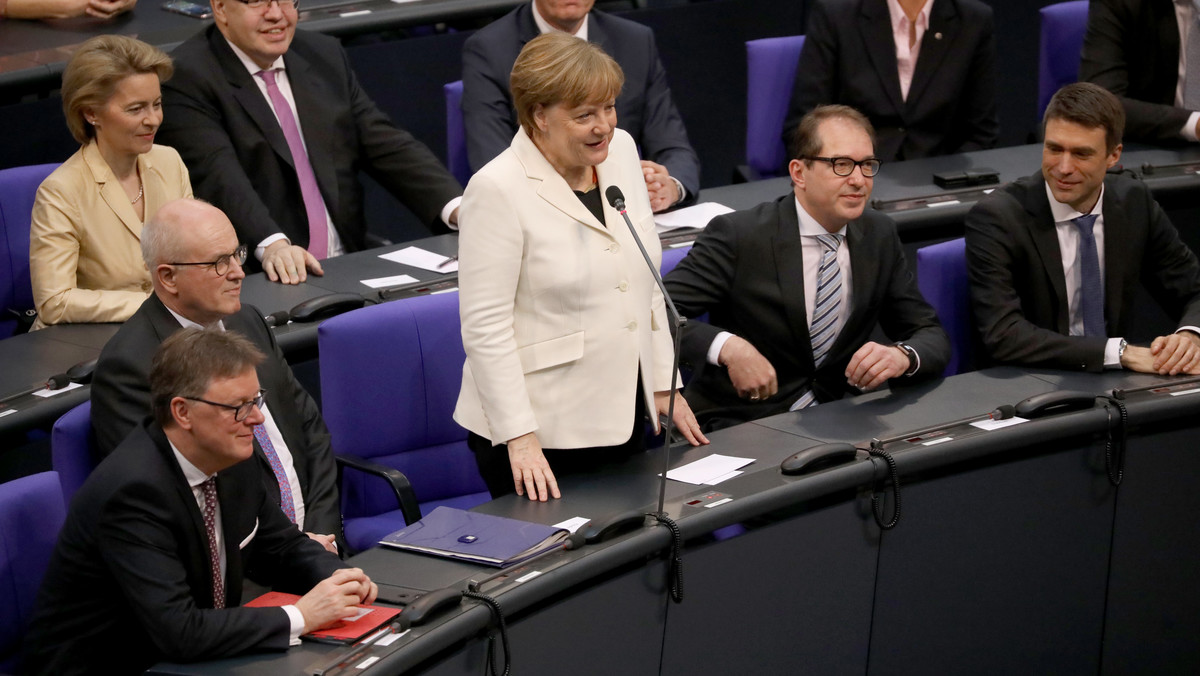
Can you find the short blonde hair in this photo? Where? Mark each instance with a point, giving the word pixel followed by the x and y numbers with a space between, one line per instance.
pixel 96 69
pixel 560 68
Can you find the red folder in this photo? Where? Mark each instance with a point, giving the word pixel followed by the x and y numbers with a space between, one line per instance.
pixel 344 632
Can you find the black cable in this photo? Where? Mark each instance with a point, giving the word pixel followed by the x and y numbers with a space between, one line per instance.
pixel 494 605
pixel 1114 451
pixel 675 571
pixel 876 502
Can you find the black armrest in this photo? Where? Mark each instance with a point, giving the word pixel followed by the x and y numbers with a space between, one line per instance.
pixel 405 496
pixel 744 173
pixel 375 241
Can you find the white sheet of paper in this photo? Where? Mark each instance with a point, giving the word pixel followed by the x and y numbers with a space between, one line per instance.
pixel 947 203
pixel 935 442
pixel 709 469
pixel 50 393
pixel 573 523
pixel 391 638
pixel 1180 393
pixel 420 258
pixel 394 280
pixel 998 424
pixel 695 216
pixel 723 477
pixel 8 412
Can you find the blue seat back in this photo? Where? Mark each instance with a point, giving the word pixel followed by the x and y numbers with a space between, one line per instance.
pixel 390 376
pixel 942 279
pixel 456 133
pixel 31 514
pixel 770 76
pixel 1063 26
pixel 73 449
pixel 18 187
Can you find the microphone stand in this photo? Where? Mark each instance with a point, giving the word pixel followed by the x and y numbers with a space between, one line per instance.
pixel 618 203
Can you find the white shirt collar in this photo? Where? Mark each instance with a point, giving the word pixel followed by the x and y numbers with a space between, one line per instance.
pixel 191 473
pixel 899 17
pixel 249 63
pixel 809 227
pixel 1064 213
pixel 545 27
pixel 189 324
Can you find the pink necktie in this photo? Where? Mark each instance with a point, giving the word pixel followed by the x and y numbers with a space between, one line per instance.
pixel 314 205
pixel 286 502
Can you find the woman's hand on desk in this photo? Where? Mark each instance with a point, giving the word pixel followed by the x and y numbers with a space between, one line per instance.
pixel 685 420
pixel 531 472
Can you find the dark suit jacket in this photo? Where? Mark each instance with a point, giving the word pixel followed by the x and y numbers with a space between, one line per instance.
pixel 130 584
pixel 1131 48
pixel 121 400
pixel 219 121
pixel 849 57
pixel 644 108
pixel 1018 289
pixel 747 271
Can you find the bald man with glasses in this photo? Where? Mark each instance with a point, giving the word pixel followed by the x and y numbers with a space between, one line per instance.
pixel 195 263
pixel 795 288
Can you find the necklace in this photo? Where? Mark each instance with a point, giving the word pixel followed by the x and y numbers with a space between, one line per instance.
pixel 141 191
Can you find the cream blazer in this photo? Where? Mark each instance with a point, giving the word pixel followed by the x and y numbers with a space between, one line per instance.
pixel 85 256
pixel 558 311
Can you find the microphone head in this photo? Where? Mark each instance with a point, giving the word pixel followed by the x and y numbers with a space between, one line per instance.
pixel 58 381
pixel 1004 412
pixel 615 197
pixel 278 318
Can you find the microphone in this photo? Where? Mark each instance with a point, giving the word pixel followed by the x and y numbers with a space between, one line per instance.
pixel 616 198
pixel 79 373
pixel 1000 413
pixel 277 318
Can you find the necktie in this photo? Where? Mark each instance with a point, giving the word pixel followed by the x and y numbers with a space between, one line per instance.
pixel 826 309
pixel 314 205
pixel 1091 288
pixel 210 525
pixel 1191 74
pixel 286 503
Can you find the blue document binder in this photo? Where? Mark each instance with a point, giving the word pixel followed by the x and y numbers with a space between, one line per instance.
pixel 480 538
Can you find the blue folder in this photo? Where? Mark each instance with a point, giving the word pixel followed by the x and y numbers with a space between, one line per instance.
pixel 479 538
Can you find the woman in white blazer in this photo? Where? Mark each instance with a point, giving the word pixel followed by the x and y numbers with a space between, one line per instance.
pixel 566 334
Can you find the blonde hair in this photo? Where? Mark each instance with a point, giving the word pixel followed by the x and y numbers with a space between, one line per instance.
pixel 560 68
pixel 96 69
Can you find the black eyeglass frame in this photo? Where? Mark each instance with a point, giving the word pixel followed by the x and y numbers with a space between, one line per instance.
pixel 241 410
pixel 259 4
pixel 860 164
pixel 239 254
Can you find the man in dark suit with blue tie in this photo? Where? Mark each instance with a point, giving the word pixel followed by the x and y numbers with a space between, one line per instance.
pixel 149 563
pixel 275 129
pixel 1056 258
pixel 923 72
pixel 644 108
pixel 795 288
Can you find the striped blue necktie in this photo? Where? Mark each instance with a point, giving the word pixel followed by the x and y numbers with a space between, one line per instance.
pixel 826 310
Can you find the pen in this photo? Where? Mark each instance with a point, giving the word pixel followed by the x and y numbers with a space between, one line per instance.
pixel 448 261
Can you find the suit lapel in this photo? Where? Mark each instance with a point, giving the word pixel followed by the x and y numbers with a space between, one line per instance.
pixel 943 28
pixel 1115 260
pixel 249 96
pixel 880 47
pixel 526 26
pixel 551 187
pixel 789 268
pixel 232 530
pixel 111 191
pixel 310 93
pixel 199 565
pixel 1045 239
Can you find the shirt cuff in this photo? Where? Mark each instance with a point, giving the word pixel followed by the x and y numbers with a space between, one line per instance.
pixel 682 190
pixel 262 246
pixel 1112 353
pixel 1189 129
pixel 449 209
pixel 714 350
pixel 297 620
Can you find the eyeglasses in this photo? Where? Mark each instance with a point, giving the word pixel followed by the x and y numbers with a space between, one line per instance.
pixel 261 4
pixel 844 166
pixel 241 410
pixel 221 265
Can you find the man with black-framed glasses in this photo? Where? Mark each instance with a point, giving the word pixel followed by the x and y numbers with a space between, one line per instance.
pixel 794 289
pixel 195 263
